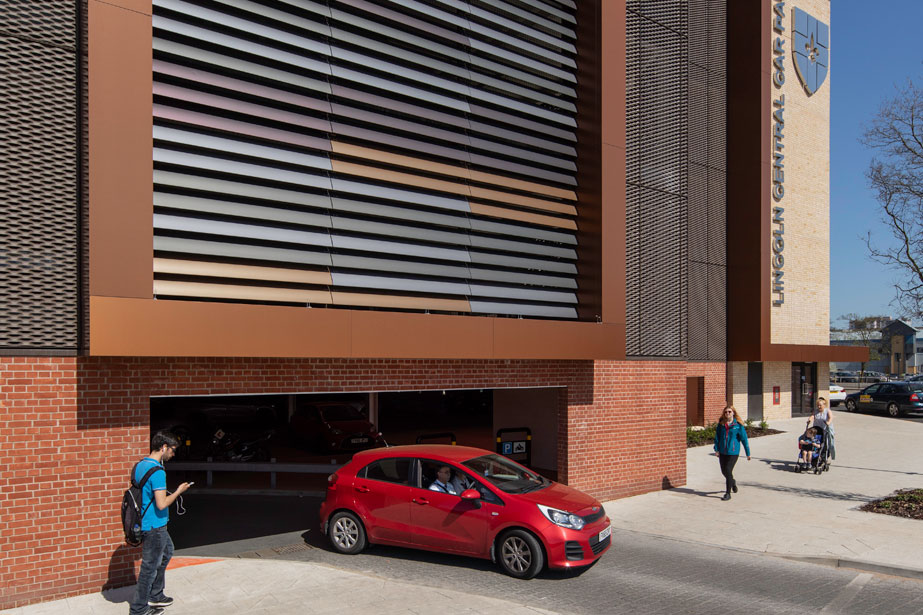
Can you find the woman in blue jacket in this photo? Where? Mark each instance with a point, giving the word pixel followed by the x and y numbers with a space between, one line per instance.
pixel 729 435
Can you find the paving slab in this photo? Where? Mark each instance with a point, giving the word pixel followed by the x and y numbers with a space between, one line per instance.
pixel 281 587
pixel 779 511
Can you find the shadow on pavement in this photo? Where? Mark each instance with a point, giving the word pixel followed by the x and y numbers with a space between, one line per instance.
pixel 813 492
pixel 704 494
pixel 213 518
pixel 789 466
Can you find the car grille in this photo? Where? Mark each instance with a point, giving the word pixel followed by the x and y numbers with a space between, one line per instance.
pixel 573 550
pixel 601 545
pixel 592 518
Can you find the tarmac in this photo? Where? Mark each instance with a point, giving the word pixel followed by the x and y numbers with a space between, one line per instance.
pixel 777 513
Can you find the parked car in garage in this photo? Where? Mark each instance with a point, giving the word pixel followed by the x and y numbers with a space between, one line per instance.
pixel 485 506
pixel 843 376
pixel 895 398
pixel 837 395
pixel 333 427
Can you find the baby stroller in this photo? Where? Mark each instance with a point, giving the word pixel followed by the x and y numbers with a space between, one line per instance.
pixel 819 462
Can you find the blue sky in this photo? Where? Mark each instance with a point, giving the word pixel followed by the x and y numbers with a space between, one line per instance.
pixel 874 46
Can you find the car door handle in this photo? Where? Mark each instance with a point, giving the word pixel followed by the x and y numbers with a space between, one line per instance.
pixel 363 489
pixel 421 501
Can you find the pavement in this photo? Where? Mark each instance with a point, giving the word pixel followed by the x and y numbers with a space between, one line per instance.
pixel 777 512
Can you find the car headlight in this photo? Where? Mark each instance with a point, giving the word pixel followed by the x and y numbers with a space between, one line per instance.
pixel 559 517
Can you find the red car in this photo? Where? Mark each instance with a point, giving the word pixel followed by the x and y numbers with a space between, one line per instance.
pixel 457 499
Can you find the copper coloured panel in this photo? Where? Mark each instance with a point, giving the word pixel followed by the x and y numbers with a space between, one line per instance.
pixel 536 339
pixel 518 184
pixel 138 6
pixel 809 354
pixel 138 327
pixel 434 335
pixel 247 272
pixel 172 288
pixel 747 190
pixel 522 201
pixel 348 149
pixel 397 301
pixel 120 149
pixel 521 216
pixel 398 178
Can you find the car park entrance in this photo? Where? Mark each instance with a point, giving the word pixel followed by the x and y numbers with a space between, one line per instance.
pixel 236 448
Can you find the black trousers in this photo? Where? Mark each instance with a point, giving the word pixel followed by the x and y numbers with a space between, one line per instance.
pixel 727 468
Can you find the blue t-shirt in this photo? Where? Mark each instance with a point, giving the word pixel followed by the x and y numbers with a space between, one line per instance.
pixel 153 516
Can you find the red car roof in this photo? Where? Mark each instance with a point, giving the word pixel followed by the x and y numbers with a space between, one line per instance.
pixel 447 452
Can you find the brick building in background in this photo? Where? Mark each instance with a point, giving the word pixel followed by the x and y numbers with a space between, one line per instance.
pixel 213 201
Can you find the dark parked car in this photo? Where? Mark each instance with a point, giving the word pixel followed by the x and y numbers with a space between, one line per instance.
pixel 469 501
pixel 895 398
pixel 334 427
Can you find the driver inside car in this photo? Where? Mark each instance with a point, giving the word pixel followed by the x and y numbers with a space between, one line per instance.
pixel 444 482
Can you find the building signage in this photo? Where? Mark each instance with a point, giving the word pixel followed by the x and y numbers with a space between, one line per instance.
pixel 778 158
pixel 811 56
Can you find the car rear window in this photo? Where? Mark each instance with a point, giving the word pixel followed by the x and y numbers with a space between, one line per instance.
pixel 916 387
pixel 393 470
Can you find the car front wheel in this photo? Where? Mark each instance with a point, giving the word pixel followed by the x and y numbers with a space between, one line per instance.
pixel 851 405
pixel 346 533
pixel 894 410
pixel 521 555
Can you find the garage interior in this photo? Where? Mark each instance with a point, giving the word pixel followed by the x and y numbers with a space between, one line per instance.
pixel 230 446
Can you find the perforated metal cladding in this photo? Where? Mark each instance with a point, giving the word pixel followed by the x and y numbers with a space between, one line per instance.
pixel 39 269
pixel 388 155
pixel 657 169
pixel 707 180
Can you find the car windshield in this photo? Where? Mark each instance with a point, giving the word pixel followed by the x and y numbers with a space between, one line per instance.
pixel 341 413
pixel 506 475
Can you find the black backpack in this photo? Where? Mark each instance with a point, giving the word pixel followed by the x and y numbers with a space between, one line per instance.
pixel 131 507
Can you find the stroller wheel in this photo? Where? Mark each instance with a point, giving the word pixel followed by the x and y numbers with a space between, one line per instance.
pixel 816 470
pixel 798 469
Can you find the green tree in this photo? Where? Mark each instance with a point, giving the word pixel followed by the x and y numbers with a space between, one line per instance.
pixel 895 135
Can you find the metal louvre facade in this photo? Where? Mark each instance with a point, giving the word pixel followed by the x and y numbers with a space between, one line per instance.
pixel 707 213
pixel 39 247
pixel 657 178
pixel 410 155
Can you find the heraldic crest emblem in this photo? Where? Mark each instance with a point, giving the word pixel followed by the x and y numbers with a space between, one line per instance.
pixel 811 49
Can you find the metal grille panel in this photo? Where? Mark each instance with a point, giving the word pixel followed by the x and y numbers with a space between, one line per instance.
pixel 39 269
pixel 389 155
pixel 657 176
pixel 707 179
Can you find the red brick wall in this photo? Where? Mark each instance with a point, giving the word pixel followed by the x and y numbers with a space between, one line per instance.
pixel 73 428
pixel 715 387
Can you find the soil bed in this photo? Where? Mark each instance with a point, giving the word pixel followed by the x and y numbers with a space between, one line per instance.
pixel 906 503
pixel 701 437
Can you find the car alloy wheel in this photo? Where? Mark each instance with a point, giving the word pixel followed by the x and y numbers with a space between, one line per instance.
pixel 346 533
pixel 851 405
pixel 520 554
pixel 894 409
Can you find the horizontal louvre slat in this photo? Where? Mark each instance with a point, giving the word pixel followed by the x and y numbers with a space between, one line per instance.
pixel 367 155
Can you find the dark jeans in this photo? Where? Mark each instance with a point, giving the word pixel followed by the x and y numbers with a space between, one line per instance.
pixel 155 555
pixel 727 468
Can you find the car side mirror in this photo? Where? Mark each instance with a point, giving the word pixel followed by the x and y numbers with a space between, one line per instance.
pixel 471 494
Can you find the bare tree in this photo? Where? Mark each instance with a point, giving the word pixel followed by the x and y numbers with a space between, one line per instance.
pixel 867 330
pixel 895 134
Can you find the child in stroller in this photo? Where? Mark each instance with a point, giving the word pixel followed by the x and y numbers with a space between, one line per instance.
pixel 812 446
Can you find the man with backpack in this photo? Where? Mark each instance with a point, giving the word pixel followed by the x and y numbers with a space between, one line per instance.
pixel 157 548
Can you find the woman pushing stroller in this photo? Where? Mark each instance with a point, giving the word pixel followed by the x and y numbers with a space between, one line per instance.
pixel 822 419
